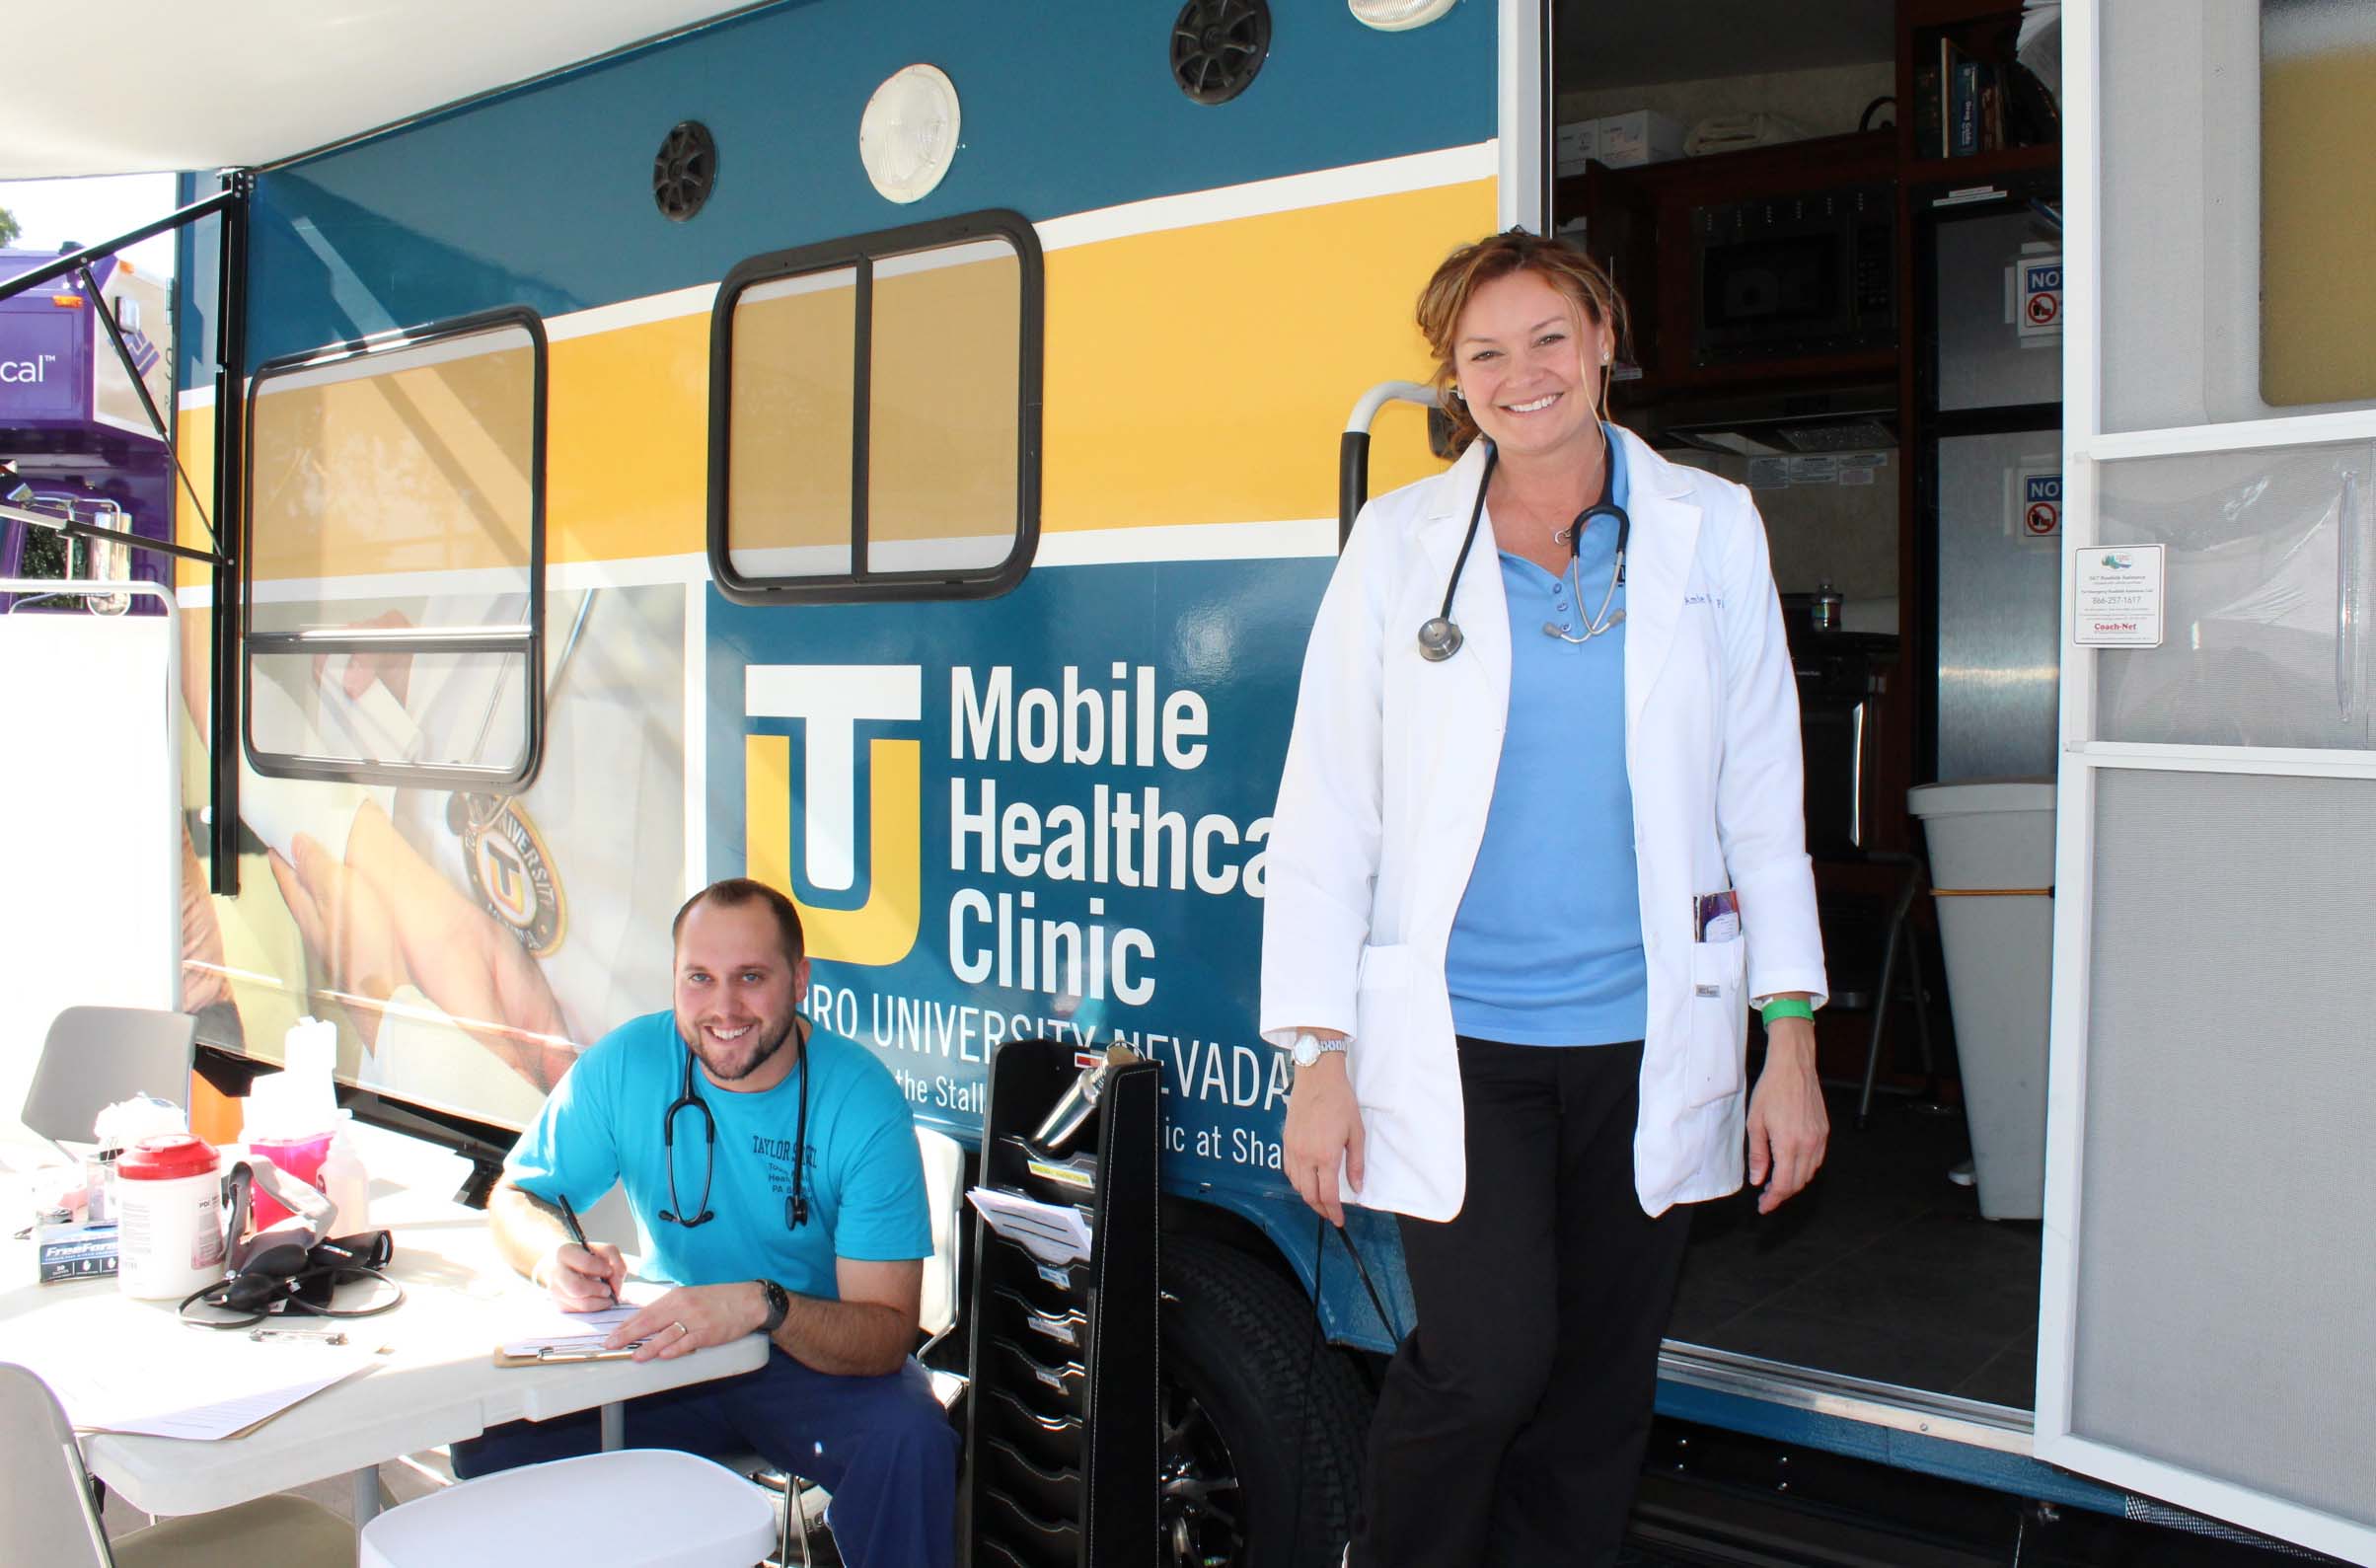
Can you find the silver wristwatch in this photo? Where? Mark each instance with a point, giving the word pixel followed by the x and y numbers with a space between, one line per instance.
pixel 1309 1047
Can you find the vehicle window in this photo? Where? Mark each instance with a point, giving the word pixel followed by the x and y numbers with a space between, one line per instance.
pixel 875 420
pixel 2243 231
pixel 392 574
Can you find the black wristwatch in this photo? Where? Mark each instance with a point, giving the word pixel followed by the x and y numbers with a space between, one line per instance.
pixel 779 1302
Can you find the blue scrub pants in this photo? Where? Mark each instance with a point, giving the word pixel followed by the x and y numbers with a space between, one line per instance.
pixel 881 1446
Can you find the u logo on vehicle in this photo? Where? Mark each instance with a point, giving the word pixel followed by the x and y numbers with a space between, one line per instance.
pixel 877 925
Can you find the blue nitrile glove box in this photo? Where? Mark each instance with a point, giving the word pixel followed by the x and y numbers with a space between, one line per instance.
pixel 76 1251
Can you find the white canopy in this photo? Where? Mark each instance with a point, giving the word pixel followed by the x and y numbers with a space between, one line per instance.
pixel 143 86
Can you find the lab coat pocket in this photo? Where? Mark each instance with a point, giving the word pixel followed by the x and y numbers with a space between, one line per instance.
pixel 1719 1021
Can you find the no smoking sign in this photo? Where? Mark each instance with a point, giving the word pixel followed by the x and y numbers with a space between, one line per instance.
pixel 2040 311
pixel 2041 504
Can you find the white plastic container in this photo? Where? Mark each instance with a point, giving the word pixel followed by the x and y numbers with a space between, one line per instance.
pixel 1992 867
pixel 293 1118
pixel 346 1183
pixel 168 1195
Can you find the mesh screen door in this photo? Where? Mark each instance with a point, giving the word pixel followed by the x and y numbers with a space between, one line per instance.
pixel 2208 1318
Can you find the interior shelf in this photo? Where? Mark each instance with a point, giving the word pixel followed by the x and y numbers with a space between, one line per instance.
pixel 1981 169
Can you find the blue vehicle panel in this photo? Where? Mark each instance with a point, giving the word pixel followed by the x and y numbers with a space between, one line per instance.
pixel 1097 756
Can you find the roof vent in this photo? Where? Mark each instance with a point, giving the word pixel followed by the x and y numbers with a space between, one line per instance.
pixel 1397 16
pixel 908 135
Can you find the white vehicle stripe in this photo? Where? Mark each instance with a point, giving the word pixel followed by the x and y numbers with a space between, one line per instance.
pixel 1387 177
pixel 1294 539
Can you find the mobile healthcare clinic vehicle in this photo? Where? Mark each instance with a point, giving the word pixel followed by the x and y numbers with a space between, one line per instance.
pixel 887 450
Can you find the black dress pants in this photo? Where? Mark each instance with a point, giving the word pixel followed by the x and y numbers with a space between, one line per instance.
pixel 1511 1426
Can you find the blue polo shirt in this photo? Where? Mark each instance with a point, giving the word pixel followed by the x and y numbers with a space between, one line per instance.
pixel 864 1181
pixel 1547 945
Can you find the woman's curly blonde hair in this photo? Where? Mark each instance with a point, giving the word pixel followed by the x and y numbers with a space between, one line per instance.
pixel 1565 266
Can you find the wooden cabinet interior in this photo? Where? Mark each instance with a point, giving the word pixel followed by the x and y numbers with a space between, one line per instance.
pixel 1638 224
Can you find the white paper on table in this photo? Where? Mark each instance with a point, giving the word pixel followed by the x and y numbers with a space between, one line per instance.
pixel 547 1327
pixel 1052 1232
pixel 200 1397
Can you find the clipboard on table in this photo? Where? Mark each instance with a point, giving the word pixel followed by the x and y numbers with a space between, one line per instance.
pixel 561 1355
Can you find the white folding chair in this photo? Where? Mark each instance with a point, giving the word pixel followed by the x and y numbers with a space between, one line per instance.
pixel 628 1507
pixel 52 1519
pixel 944 1190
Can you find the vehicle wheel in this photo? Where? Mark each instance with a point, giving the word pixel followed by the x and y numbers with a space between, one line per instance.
pixel 1262 1437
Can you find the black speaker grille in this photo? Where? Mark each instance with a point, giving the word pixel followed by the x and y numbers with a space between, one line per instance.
pixel 1218 46
pixel 684 170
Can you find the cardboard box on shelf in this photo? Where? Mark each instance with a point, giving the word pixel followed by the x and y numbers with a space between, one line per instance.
pixel 1576 145
pixel 1643 137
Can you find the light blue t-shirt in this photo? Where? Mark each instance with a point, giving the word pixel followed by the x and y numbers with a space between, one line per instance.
pixel 1547 945
pixel 864 1179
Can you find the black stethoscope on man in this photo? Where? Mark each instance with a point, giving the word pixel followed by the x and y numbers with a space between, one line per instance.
pixel 1439 636
pixel 795 1207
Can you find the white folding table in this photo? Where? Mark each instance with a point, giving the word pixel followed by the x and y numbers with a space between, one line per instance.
pixel 437 1383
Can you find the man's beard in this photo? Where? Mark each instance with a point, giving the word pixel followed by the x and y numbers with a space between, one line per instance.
pixel 769 1045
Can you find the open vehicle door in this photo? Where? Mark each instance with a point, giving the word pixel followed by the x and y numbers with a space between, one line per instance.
pixel 2206 1332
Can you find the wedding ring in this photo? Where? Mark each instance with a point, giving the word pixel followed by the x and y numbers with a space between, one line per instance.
pixel 681 1329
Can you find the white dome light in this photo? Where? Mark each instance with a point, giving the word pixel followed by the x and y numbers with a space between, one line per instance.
pixel 908 137
pixel 1398 16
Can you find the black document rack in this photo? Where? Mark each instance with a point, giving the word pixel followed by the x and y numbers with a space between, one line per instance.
pixel 1063 1432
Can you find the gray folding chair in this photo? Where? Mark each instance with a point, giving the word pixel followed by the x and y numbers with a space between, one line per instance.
pixel 96 1056
pixel 53 1519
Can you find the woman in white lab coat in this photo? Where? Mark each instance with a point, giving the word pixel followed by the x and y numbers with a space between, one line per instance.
pixel 1538 846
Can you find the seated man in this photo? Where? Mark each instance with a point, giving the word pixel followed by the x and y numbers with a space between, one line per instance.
pixel 776 1183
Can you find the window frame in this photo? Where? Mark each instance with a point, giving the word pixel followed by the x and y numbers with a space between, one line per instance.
pixel 529 643
pixel 860 254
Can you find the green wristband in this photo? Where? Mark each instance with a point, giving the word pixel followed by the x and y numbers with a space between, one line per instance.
pixel 1786 1008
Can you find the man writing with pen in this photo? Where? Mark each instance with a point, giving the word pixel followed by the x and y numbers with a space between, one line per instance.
pixel 772 1170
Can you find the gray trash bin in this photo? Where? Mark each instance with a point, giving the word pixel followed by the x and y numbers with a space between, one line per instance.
pixel 1992 868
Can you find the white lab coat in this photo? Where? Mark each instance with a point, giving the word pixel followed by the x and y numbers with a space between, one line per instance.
pixel 1391 772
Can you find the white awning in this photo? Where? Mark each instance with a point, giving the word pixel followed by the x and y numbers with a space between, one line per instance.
pixel 144 86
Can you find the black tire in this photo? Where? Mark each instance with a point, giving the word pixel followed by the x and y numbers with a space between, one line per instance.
pixel 1263 1424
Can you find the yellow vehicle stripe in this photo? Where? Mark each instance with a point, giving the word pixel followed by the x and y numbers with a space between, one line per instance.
pixel 1195 375
pixel 1203 375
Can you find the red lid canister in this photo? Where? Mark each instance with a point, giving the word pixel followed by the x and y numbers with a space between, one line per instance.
pixel 168 1158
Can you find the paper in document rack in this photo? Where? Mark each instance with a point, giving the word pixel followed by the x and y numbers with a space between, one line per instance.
pixel 1052 1232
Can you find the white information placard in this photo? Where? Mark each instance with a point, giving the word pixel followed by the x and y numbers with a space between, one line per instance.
pixel 2117 601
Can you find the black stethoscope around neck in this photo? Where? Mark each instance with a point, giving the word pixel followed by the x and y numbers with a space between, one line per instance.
pixel 795 1207
pixel 1440 636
